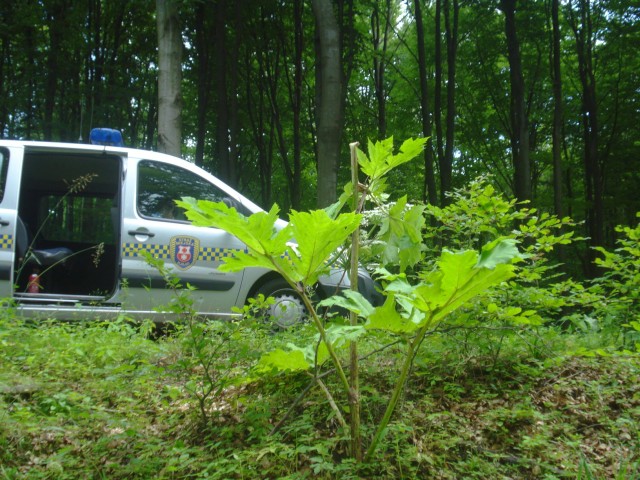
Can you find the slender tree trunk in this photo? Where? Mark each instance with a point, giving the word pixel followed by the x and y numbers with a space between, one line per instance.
pixel 446 167
pixel 519 120
pixel 32 68
pixel 380 36
pixel 296 190
pixel 557 110
pixel 255 107
pixel 204 84
pixel 169 78
pixel 437 104
pixel 55 20
pixel 329 98
pixel 220 79
pixel 152 119
pixel 234 121
pixel 583 32
pixel 429 192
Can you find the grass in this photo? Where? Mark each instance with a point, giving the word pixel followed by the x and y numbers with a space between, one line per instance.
pixel 106 401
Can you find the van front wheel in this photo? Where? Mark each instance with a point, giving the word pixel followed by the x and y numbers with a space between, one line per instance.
pixel 287 308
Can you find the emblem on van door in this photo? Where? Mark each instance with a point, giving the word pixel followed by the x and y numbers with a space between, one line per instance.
pixel 184 251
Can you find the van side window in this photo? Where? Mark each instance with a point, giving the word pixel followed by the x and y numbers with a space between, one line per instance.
pixel 4 168
pixel 159 184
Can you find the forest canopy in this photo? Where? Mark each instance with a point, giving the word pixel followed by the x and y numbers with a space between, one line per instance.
pixel 543 95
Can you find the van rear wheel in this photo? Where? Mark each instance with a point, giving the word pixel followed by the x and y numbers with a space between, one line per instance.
pixel 288 308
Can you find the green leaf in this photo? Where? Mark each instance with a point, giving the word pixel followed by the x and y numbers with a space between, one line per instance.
pixel 388 319
pixel 345 198
pixel 401 234
pixel 497 252
pixel 381 159
pixel 258 231
pixel 349 300
pixel 318 236
pixel 278 359
pixel 299 251
pixel 460 276
pixel 375 164
pixel 339 336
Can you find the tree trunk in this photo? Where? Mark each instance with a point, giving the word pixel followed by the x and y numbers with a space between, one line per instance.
pixel 437 104
pixel 380 36
pixel 451 33
pixel 261 129
pixel 429 192
pixel 585 39
pixel 329 93
pixel 55 20
pixel 556 135
pixel 204 74
pixel 220 79
pixel 519 120
pixel 296 190
pixel 234 121
pixel 169 78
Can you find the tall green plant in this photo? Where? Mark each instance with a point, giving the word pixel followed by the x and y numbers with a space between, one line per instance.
pixel 301 253
pixel 620 283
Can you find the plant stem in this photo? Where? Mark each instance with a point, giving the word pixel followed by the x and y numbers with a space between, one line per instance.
pixel 323 336
pixel 393 401
pixel 354 393
pixel 332 402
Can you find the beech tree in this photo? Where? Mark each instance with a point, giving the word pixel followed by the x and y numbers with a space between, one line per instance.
pixel 429 192
pixel 329 93
pixel 558 104
pixel 169 78
pixel 519 120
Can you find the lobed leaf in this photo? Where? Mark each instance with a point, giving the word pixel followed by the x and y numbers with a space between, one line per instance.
pixel 278 359
pixel 318 236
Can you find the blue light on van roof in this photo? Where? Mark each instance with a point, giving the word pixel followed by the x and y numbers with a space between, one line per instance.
pixel 106 136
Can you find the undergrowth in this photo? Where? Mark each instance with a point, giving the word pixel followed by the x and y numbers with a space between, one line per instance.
pixel 101 400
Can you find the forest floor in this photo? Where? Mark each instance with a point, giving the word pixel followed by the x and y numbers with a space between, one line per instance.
pixel 96 401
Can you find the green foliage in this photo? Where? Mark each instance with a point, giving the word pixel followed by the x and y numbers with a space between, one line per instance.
pixel 621 280
pixel 478 214
pixel 211 358
pixel 75 412
pixel 399 241
pixel 316 236
pixel 380 161
pixel 459 277
pixel 412 307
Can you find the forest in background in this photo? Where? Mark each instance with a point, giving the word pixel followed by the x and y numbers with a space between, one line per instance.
pixel 543 95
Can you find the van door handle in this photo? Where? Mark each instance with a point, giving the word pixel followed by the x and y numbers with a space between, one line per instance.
pixel 141 232
pixel 3 223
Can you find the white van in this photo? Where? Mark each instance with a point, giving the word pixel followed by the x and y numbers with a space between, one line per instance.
pixel 75 217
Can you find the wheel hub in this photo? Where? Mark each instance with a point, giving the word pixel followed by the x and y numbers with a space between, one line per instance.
pixel 287 311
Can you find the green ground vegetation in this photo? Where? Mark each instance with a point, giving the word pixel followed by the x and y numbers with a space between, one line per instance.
pixel 107 401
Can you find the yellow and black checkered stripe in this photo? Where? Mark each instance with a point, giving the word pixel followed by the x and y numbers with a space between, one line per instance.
pixel 216 254
pixel 207 254
pixel 134 249
pixel 6 242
